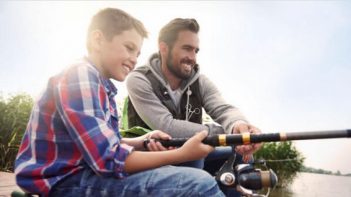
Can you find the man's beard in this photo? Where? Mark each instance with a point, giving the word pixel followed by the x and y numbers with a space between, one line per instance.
pixel 176 71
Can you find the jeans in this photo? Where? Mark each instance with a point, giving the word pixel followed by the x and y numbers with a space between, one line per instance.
pixel 163 181
pixel 219 155
pixel 213 162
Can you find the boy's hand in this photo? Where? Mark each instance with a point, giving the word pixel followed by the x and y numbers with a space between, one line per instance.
pixel 194 149
pixel 157 146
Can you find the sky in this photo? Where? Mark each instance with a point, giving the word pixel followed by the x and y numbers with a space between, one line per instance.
pixel 284 64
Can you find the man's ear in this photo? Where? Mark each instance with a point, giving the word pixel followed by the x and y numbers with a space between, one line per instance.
pixel 163 47
pixel 96 39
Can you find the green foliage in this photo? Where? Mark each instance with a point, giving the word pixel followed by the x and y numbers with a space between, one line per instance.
pixel 14 115
pixel 125 124
pixel 314 170
pixel 124 127
pixel 283 158
pixel 134 132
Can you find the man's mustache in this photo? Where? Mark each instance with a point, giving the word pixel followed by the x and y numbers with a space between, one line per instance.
pixel 188 61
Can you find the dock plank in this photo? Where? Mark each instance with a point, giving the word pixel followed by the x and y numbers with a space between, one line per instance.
pixel 7 184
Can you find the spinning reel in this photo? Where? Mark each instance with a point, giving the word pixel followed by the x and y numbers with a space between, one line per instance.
pixel 245 178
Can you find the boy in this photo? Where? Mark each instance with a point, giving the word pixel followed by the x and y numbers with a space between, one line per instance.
pixel 72 144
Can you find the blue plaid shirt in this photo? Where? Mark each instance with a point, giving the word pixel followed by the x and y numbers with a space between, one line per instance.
pixel 73 125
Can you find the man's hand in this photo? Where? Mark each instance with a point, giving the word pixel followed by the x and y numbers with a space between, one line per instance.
pixel 246 150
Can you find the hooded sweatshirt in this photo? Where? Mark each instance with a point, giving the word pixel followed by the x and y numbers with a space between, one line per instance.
pixel 151 110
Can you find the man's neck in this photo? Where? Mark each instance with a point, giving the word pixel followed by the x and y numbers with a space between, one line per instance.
pixel 174 82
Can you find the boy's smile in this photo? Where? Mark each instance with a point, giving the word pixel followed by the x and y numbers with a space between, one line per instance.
pixel 119 56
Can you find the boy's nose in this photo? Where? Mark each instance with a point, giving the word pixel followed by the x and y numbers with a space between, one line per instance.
pixel 133 60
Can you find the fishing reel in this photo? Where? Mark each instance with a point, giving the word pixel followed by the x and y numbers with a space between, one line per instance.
pixel 245 178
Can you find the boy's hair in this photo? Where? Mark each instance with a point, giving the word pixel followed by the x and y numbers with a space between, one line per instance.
pixel 169 33
pixel 113 21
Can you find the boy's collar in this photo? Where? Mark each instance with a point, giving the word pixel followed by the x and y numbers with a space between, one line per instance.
pixel 110 88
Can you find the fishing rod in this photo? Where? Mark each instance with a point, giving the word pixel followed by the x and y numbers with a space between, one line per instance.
pixel 244 177
pixel 248 138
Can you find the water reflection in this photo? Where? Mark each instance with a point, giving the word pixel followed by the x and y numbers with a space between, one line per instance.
pixel 281 193
pixel 316 185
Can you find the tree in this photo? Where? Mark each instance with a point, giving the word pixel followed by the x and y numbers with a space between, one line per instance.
pixel 14 116
pixel 283 158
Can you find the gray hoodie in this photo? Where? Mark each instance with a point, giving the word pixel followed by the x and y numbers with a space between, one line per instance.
pixel 157 116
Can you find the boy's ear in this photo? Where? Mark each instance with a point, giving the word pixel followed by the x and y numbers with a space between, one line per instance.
pixel 96 39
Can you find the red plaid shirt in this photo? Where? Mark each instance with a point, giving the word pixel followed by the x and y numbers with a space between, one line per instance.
pixel 74 125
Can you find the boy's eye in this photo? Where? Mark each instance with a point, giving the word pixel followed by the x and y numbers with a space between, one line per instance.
pixel 130 48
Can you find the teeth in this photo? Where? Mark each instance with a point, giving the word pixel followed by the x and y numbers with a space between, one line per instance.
pixel 127 68
pixel 187 66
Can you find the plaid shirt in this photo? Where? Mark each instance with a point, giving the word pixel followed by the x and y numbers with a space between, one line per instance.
pixel 74 125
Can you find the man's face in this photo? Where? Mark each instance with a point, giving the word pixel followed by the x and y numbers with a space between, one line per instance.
pixel 119 56
pixel 181 57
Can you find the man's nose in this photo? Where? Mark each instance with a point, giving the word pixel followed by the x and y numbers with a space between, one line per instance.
pixel 192 56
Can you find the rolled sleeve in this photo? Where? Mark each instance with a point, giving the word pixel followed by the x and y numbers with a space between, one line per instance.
pixel 121 154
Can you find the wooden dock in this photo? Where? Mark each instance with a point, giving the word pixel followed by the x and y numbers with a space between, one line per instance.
pixel 7 184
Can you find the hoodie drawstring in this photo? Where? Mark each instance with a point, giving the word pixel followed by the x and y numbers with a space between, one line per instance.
pixel 188 92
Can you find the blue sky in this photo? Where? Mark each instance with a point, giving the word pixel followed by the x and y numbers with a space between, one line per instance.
pixel 286 64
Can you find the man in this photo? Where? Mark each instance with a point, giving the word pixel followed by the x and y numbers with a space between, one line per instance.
pixel 169 93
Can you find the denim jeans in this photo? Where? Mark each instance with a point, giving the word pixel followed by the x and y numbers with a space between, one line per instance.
pixel 213 162
pixel 163 181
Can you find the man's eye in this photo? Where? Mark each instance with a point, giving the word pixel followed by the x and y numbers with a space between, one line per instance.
pixel 187 48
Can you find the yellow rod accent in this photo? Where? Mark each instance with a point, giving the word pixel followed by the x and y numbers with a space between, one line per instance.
pixel 246 138
pixel 222 140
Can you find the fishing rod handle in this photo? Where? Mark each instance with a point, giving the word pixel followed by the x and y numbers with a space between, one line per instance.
pixel 247 138
pixel 177 142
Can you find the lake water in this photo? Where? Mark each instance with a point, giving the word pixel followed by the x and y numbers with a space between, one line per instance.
pixel 316 185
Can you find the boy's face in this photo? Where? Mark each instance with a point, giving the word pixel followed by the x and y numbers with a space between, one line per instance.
pixel 119 56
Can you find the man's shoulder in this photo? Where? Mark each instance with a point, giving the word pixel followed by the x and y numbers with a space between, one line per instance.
pixel 203 79
pixel 141 73
pixel 136 80
pixel 141 70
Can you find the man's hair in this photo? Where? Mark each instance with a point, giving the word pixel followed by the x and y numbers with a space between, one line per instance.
pixel 169 33
pixel 113 21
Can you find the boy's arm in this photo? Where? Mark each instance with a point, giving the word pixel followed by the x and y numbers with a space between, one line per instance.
pixel 193 149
